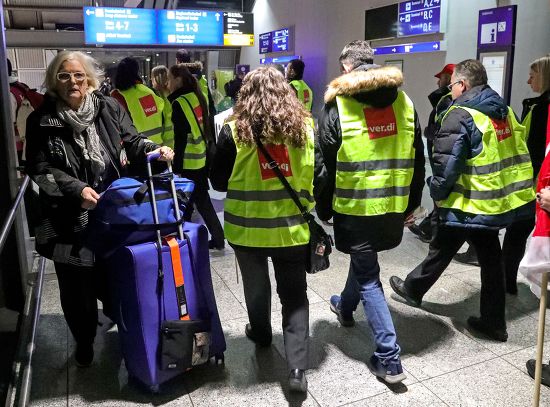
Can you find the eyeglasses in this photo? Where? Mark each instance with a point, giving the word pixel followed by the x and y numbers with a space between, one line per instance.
pixel 67 76
pixel 450 86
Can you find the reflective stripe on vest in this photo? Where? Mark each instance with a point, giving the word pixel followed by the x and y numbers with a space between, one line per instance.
pixel 500 178
pixel 203 85
pixel 145 110
pixel 168 129
pixel 194 156
pixel 258 210
pixel 304 93
pixel 439 116
pixel 375 162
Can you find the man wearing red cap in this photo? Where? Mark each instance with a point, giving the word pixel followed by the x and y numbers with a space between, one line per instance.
pixel 440 100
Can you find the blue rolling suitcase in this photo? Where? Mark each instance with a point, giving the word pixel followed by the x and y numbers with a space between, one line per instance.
pixel 167 316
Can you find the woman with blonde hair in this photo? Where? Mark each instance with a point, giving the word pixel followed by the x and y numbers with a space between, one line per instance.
pixel 261 219
pixel 78 142
pixel 159 79
pixel 534 117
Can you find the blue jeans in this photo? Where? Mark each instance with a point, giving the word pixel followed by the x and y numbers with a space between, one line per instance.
pixel 364 284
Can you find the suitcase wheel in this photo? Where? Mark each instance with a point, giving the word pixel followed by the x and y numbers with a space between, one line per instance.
pixel 155 389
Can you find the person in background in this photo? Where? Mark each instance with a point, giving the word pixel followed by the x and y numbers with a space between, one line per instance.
pixel 193 139
pixel 233 87
pixel 440 99
pixel 78 142
pixel 295 75
pixel 106 86
pixel 261 220
pixel 195 67
pixel 535 119
pixel 481 183
pixel 159 77
pixel 369 174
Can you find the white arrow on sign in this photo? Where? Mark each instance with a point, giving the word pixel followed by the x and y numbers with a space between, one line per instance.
pixel 401 18
pixel 217 16
pixel 88 12
pixel 393 50
pixel 436 46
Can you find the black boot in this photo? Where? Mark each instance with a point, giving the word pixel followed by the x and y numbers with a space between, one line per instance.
pixel 297 380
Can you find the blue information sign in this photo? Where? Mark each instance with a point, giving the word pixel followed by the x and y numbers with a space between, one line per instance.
pixel 279 60
pixel 106 25
pixel 265 42
pixel 190 27
pixel 418 17
pixel 280 40
pixel 408 48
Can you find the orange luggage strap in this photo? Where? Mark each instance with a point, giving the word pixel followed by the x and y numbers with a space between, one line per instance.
pixel 178 276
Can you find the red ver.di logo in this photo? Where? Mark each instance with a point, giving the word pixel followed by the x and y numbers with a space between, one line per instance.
pixel 148 105
pixel 502 129
pixel 380 122
pixel 279 153
pixel 306 96
pixel 198 114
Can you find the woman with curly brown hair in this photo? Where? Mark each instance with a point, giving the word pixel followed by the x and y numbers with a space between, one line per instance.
pixel 261 220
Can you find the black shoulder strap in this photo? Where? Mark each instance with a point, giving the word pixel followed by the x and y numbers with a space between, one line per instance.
pixel 275 167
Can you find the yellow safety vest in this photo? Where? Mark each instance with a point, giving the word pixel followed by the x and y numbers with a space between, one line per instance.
pixel 145 110
pixel 527 121
pixel 168 128
pixel 203 85
pixel 304 93
pixel 375 162
pixel 500 178
pixel 258 210
pixel 194 156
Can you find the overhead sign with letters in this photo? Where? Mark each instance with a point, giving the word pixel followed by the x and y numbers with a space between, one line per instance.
pixel 279 60
pixel 408 48
pixel 137 26
pixel 418 17
pixel 276 41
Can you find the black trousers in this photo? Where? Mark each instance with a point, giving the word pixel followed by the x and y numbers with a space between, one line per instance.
pixel 77 289
pixel 201 199
pixel 289 265
pixel 513 248
pixel 445 243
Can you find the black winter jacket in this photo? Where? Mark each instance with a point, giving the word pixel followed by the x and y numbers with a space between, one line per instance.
pixel 536 139
pixel 56 163
pixel 458 140
pixel 430 131
pixel 376 87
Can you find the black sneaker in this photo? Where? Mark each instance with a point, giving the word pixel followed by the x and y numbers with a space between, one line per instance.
pixel 545 378
pixel 335 307
pixel 264 342
pixel 422 235
pixel 497 334
pixel 297 381
pixel 468 257
pixel 398 286
pixel 389 372
pixel 84 354
pixel 213 246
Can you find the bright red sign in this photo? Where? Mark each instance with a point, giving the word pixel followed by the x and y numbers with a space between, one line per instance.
pixel 380 122
pixel 279 153
pixel 198 114
pixel 148 105
pixel 502 129
pixel 306 96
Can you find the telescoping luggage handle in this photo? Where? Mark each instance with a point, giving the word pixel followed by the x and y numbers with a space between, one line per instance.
pixel 170 241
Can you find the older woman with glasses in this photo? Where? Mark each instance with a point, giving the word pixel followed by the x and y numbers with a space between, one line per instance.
pixel 78 142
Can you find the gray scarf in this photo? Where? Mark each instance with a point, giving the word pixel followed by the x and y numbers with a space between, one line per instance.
pixel 85 134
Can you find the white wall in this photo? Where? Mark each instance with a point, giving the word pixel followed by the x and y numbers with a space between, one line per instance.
pixel 323 27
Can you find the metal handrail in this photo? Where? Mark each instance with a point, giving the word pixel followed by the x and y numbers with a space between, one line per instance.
pixel 22 365
pixel 13 212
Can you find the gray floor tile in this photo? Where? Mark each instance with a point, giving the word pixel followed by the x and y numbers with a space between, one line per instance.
pixel 50 302
pixel 49 378
pixel 491 383
pixel 414 396
pixel 229 307
pixel 251 375
pixel 520 357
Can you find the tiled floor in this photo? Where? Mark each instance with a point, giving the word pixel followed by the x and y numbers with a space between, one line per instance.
pixel 445 363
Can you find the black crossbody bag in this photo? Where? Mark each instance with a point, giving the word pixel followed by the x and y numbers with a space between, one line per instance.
pixel 320 242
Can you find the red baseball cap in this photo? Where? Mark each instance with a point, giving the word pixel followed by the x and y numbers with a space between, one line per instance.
pixel 449 68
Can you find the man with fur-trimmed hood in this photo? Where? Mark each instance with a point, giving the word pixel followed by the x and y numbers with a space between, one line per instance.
pixel 369 173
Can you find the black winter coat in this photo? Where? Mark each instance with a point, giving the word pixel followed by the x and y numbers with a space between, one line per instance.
pixel 458 140
pixel 536 139
pixel 376 87
pixel 56 163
